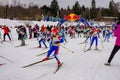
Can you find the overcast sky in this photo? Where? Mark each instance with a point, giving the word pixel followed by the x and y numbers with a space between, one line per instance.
pixel 64 3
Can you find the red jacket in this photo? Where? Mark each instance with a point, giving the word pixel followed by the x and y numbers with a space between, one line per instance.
pixel 6 29
pixel 43 28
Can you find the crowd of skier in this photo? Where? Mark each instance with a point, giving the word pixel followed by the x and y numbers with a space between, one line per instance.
pixel 56 35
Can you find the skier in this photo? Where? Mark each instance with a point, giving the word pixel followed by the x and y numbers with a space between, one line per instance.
pixel 62 34
pixel 103 31
pixel 107 35
pixel 73 32
pixel 85 31
pixel 30 32
pixel 55 46
pixel 94 38
pixel 6 32
pixel 22 31
pixel 88 36
pixel 35 31
pixel 117 44
pixel 78 31
pixel 43 37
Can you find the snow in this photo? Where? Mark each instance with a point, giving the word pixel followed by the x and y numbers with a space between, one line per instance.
pixel 79 65
pixel 13 23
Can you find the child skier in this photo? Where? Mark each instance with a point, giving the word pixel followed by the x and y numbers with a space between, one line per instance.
pixel 55 46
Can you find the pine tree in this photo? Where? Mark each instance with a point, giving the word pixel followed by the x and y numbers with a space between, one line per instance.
pixel 119 17
pixel 93 12
pixel 76 8
pixel 93 4
pixel 54 8
pixel 113 9
pixel 83 8
pixel 45 10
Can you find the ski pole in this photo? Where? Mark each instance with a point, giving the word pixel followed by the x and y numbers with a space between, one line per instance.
pixel 67 49
pixel 42 53
pixel 101 43
pixel 85 45
pixel 89 36
pixel 7 59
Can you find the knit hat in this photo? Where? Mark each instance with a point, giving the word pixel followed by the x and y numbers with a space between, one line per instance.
pixel 54 30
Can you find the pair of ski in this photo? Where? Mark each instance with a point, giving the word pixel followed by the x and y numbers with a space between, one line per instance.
pixel 87 50
pixel 90 49
pixel 40 48
pixel 83 42
pixel 20 46
pixel 41 62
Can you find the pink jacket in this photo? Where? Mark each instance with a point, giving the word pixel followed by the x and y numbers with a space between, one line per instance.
pixel 117 35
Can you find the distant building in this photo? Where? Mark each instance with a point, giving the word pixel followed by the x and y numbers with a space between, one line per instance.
pixel 107 19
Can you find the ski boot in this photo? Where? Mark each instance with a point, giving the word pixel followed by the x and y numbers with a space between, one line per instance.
pixel 39 46
pixel 96 48
pixel 107 64
pixel 59 63
pixel 46 47
pixel 45 59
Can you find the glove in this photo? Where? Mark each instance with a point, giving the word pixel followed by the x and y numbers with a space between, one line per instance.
pixel 57 42
pixel 48 39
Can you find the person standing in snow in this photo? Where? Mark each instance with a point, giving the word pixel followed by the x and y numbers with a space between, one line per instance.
pixel 103 31
pixel 22 31
pixel 6 32
pixel 73 32
pixel 35 31
pixel 30 32
pixel 117 44
pixel 56 40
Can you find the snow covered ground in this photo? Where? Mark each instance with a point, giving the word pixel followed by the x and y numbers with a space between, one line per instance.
pixel 79 65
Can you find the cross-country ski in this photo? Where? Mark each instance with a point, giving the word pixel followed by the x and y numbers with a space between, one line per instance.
pixel 35 63
pixel 58 67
